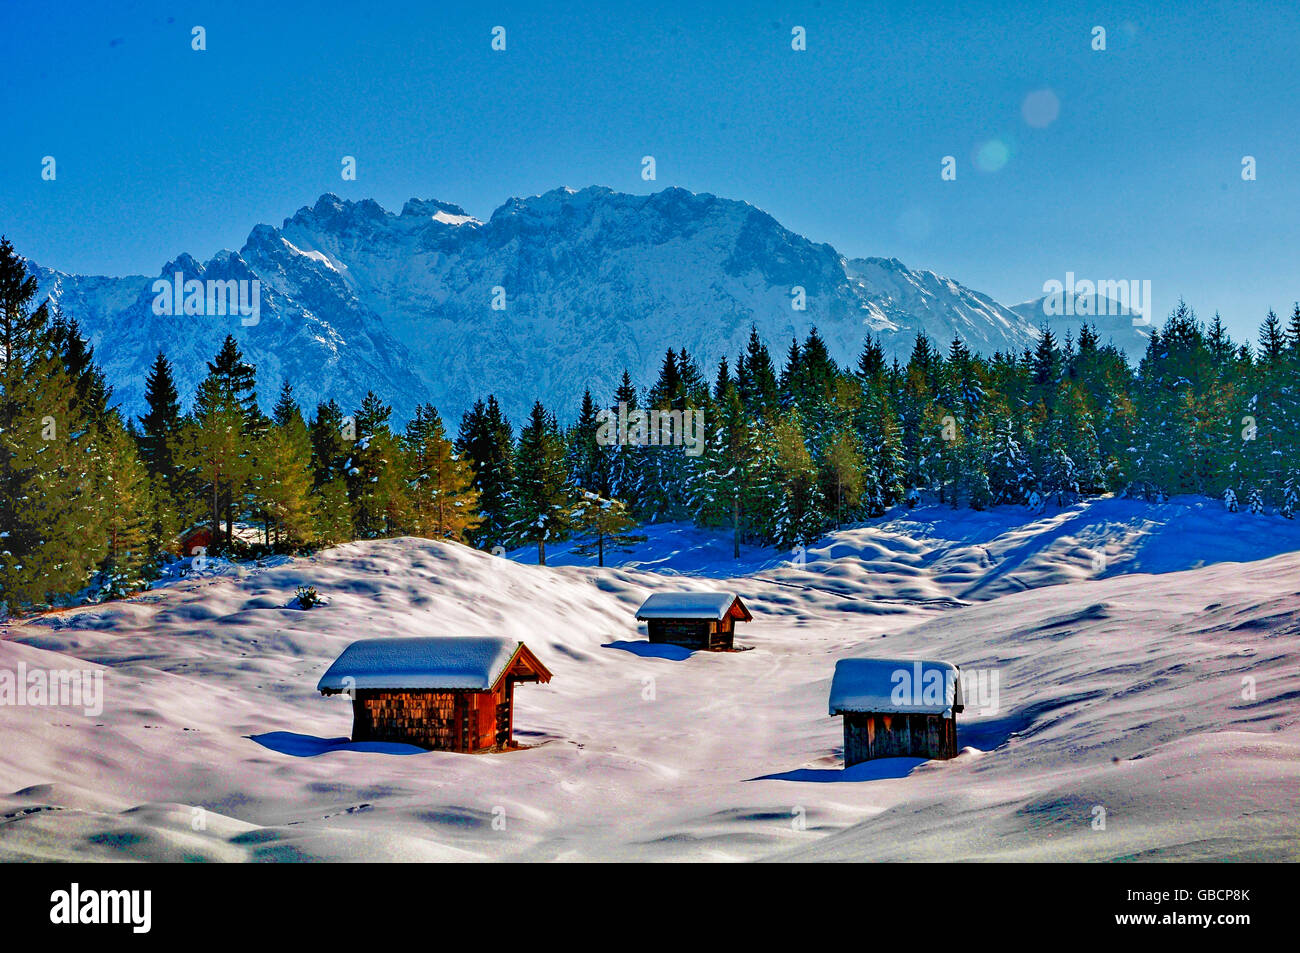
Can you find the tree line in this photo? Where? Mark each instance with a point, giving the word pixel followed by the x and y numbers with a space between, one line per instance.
pixel 89 497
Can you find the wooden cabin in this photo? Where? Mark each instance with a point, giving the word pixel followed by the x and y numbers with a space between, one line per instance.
pixel 444 694
pixel 694 620
pixel 897 708
pixel 196 539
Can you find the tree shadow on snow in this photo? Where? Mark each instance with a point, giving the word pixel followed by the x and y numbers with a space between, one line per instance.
pixel 881 769
pixel 673 653
pixel 309 746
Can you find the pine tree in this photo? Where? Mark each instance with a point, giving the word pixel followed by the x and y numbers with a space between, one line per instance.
pixel 335 517
pixel 1011 478
pixel 757 385
pixel 125 504
pixel 50 538
pixel 92 393
pixel 284 470
pixel 588 460
pixel 230 424
pixel 543 497
pixel 799 517
pixel 627 460
pixel 844 467
pixel 332 436
pixel 443 499
pixel 1290 496
pixel 377 473
pixel 1256 502
pixel 159 424
pixel 486 442
pixel 604 523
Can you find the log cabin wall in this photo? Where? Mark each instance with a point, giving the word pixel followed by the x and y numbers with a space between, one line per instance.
pixel 692 633
pixel 871 735
pixel 440 721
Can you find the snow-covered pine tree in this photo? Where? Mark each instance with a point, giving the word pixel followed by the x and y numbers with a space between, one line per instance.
pixel 1256 502
pixel 1010 476
pixel 588 461
pixel 1290 495
pixel 1230 500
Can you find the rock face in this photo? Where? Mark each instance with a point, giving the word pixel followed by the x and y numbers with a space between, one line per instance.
pixel 552 294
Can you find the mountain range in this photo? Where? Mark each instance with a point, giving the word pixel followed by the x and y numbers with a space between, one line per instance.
pixel 552 294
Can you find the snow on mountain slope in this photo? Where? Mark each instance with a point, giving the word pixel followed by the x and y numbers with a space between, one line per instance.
pixel 1123 692
pixel 593 281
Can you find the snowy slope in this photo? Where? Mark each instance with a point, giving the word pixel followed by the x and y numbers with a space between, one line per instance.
pixel 1120 687
pixel 595 281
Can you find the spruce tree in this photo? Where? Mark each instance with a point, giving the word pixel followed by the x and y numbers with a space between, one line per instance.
pixel 543 498
pixel 486 442
pixel 160 422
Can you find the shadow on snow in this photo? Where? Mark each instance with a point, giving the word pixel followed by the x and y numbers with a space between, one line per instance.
pixel 309 746
pixel 673 653
pixel 881 769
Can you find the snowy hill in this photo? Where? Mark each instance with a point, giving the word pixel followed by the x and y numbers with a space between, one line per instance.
pixel 594 281
pixel 1122 684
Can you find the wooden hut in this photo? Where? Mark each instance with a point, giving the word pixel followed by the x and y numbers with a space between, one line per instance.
pixel 695 620
pixel 897 708
pixel 445 694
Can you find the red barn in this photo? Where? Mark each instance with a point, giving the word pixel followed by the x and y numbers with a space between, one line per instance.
pixel 445 694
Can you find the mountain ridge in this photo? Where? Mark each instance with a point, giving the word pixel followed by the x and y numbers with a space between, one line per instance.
pixel 551 294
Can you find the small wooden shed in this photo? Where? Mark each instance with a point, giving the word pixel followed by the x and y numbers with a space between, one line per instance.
pixel 695 620
pixel 897 708
pixel 445 694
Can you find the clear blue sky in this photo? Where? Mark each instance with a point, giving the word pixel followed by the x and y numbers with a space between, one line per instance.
pixel 161 149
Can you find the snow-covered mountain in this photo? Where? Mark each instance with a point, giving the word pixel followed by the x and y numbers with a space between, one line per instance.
pixel 552 294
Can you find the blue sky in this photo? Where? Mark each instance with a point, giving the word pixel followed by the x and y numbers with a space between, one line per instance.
pixel 161 149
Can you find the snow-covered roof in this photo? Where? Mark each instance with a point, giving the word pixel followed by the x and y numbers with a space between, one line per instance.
pixel 910 686
pixel 687 605
pixel 461 662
